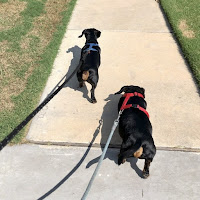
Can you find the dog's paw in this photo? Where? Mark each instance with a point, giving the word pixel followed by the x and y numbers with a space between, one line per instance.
pixel 145 174
pixel 81 85
pixel 121 160
pixel 93 101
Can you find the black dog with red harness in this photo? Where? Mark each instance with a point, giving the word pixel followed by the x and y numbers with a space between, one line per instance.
pixel 135 128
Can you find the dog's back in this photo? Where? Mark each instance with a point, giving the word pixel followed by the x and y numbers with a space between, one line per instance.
pixel 134 122
pixel 91 64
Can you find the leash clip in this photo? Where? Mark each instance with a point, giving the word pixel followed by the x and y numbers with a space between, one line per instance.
pixel 117 120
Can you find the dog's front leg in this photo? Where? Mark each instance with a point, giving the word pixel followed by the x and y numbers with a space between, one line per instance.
pixel 146 168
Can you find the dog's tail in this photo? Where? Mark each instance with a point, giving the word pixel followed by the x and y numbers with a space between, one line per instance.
pixel 136 150
pixel 85 75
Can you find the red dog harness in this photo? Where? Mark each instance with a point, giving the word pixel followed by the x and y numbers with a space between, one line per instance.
pixel 127 97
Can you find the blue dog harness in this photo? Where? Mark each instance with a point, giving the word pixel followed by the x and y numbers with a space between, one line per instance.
pixel 91 45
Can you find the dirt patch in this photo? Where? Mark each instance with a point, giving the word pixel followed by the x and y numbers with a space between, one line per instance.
pixel 186 31
pixel 4 97
pixel 10 13
pixel 25 43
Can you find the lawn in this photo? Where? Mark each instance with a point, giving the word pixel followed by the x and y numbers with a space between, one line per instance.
pixel 184 18
pixel 31 32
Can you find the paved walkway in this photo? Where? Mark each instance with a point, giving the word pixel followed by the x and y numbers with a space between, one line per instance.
pixel 137 49
pixel 30 172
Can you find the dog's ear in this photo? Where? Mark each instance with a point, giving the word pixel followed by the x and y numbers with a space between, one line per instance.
pixel 123 89
pixel 97 33
pixel 84 32
pixel 143 91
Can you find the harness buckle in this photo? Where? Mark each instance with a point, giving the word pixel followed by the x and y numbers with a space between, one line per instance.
pixel 134 106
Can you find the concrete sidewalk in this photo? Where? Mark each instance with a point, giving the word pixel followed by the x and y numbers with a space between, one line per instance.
pixel 137 49
pixel 30 172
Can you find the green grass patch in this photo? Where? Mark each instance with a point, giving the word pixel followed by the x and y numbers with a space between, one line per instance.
pixel 28 51
pixel 3 1
pixel 184 18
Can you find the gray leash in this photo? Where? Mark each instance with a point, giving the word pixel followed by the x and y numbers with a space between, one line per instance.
pixel 116 122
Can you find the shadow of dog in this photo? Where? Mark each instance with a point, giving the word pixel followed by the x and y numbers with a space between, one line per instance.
pixel 73 83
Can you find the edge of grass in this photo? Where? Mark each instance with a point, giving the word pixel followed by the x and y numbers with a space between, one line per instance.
pixel 27 101
pixel 185 46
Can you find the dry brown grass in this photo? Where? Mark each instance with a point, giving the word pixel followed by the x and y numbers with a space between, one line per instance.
pixel 10 13
pixel 43 28
pixel 13 84
pixel 45 25
pixel 186 31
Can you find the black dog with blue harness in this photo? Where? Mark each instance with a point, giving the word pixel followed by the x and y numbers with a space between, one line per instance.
pixel 90 48
pixel 90 60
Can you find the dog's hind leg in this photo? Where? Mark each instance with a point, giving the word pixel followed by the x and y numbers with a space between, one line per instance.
pixel 93 99
pixel 146 168
pixel 122 160
pixel 81 84
pixel 126 153
pixel 79 77
pixel 148 155
pixel 94 84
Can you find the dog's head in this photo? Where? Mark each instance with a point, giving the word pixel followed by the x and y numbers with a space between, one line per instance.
pixel 132 89
pixel 91 34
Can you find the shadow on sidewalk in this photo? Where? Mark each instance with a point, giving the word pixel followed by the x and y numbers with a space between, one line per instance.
pixel 73 83
pixel 76 166
pixel 108 116
pixel 105 124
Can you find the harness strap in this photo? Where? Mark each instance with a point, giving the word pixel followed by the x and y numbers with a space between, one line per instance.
pixel 127 97
pixel 140 108
pixel 126 106
pixel 91 45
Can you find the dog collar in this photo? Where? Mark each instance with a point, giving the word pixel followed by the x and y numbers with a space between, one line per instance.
pixel 127 97
pixel 91 45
